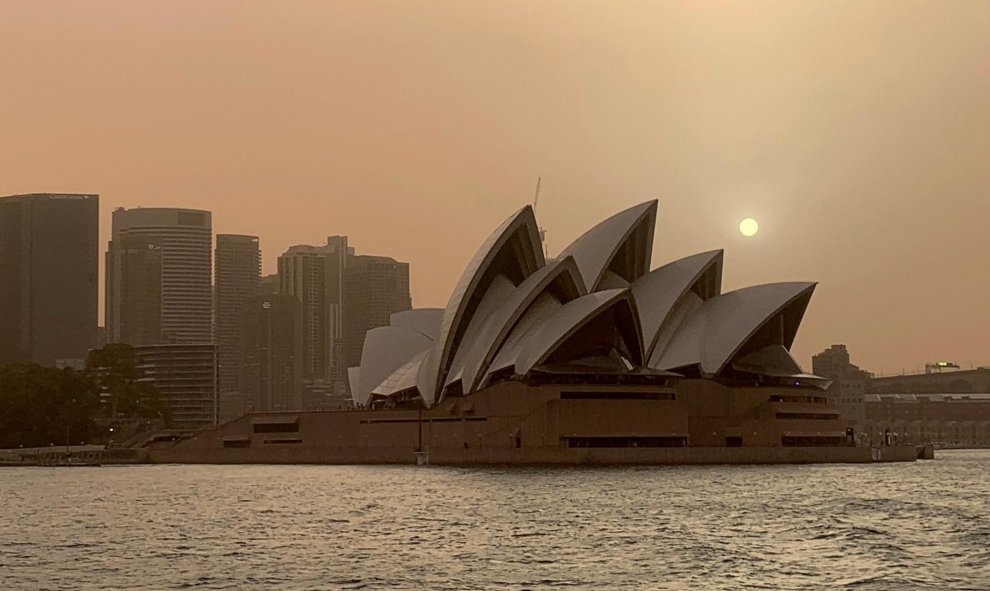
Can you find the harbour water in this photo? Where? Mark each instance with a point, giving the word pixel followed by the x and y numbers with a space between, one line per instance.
pixel 921 525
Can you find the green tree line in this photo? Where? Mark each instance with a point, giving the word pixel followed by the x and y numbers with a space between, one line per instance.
pixel 42 406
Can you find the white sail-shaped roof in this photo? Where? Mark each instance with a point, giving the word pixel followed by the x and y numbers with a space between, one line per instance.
pixel 353 375
pixel 493 301
pixel 571 317
pixel 426 376
pixel 402 379
pixel 536 315
pixel 386 349
pixel 622 244
pixel 597 309
pixel 423 320
pixel 657 292
pixel 776 361
pixel 723 324
pixel 480 350
pixel 513 250
pixel 772 360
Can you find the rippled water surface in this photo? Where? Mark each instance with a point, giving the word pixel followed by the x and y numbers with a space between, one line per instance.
pixel 895 526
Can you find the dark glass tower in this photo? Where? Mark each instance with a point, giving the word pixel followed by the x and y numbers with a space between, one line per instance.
pixel 49 249
pixel 134 285
pixel 375 287
pixel 238 276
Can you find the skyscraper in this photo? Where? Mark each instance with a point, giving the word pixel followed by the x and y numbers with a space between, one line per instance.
pixel 49 249
pixel 374 288
pixel 301 274
pixel 238 274
pixel 134 277
pixel 271 365
pixel 185 236
pixel 338 254
pixel 268 284
pixel 342 296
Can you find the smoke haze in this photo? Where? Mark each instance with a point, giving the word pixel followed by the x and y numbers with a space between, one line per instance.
pixel 857 134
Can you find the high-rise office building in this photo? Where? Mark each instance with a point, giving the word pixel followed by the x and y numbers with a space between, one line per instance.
pixel 268 285
pixel 238 275
pixel 185 237
pixel 49 269
pixel 374 289
pixel 301 274
pixel 134 285
pixel 343 295
pixel 271 366
pixel 338 253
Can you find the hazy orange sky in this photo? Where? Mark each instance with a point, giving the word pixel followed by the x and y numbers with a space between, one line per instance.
pixel 857 133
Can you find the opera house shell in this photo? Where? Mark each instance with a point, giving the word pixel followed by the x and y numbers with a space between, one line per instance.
pixel 596 311
pixel 589 357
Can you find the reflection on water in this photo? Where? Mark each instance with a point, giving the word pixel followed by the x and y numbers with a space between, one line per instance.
pixel 896 526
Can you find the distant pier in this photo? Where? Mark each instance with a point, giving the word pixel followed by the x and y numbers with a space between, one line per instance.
pixel 79 455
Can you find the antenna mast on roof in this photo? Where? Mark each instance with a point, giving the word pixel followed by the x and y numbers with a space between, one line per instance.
pixel 543 232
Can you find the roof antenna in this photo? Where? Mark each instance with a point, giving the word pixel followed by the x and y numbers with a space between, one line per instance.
pixel 543 232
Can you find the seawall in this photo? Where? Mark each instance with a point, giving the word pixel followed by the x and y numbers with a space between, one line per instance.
pixel 539 456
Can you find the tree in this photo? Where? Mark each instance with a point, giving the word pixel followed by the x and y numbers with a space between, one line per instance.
pixel 41 406
pixel 116 370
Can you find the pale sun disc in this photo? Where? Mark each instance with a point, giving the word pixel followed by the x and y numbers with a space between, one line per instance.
pixel 749 227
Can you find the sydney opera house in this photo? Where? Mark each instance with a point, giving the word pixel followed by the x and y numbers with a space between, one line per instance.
pixel 589 357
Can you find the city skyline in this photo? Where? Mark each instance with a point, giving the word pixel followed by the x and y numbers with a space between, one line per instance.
pixel 267 281
pixel 285 276
pixel 805 359
pixel 853 137
pixel 187 303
